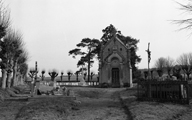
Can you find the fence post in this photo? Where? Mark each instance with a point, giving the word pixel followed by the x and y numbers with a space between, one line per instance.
pixel 180 94
pixel 149 89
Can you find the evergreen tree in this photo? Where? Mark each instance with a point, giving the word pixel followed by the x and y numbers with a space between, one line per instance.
pixel 91 46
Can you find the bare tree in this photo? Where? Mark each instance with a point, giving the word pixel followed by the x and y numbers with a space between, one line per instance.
pixel 4 24
pixel 190 58
pixel 22 72
pixel 4 19
pixel 22 68
pixel 12 50
pixel 6 60
pixel 185 61
pixel 32 73
pixel 187 22
pixel 77 75
pixel 18 52
pixel 42 75
pixel 62 75
pixel 160 64
pixel 169 64
pixel 182 59
pixel 69 73
pixel 53 74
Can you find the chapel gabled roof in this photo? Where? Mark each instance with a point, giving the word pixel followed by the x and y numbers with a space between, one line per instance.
pixel 120 41
pixel 115 37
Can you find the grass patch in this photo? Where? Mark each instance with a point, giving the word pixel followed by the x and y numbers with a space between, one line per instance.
pixel 150 110
pixel 47 109
pixel 154 111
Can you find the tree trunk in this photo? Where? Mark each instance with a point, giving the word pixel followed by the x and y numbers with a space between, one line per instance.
pixel 54 83
pixel 89 64
pixel 52 79
pixel 88 79
pixel 22 79
pixel 17 79
pixel 14 79
pixel 188 74
pixel 77 78
pixel 4 73
pixel 8 79
pixel 32 87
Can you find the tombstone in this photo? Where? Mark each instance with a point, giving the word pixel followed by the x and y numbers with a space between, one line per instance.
pixel 82 82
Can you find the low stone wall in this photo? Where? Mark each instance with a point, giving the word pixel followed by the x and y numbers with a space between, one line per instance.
pixel 44 97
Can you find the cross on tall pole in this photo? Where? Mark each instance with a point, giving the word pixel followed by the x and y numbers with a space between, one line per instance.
pixel 36 71
pixel 149 57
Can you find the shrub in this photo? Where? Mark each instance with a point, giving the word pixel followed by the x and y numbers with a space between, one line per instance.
pixel 104 85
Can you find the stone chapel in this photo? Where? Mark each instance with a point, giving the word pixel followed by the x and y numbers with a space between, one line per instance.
pixel 114 66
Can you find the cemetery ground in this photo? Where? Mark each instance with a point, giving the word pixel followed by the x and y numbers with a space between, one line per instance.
pixel 94 104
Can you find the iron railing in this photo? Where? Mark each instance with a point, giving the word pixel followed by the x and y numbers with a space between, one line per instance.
pixel 163 91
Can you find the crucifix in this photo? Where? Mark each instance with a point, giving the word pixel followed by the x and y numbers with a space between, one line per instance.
pixel 149 57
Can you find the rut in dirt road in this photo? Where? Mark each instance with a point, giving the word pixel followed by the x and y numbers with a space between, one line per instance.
pixel 99 104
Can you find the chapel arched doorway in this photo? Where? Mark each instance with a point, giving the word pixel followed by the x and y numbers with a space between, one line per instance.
pixel 115 77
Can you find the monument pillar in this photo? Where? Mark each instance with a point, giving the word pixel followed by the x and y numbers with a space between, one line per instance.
pixel 130 78
pixel 129 68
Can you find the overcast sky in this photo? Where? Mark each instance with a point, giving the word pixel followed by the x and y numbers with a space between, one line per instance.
pixel 51 28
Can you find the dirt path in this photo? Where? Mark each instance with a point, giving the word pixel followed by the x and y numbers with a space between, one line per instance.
pixel 98 104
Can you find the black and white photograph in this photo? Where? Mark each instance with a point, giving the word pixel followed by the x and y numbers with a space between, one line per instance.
pixel 95 59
